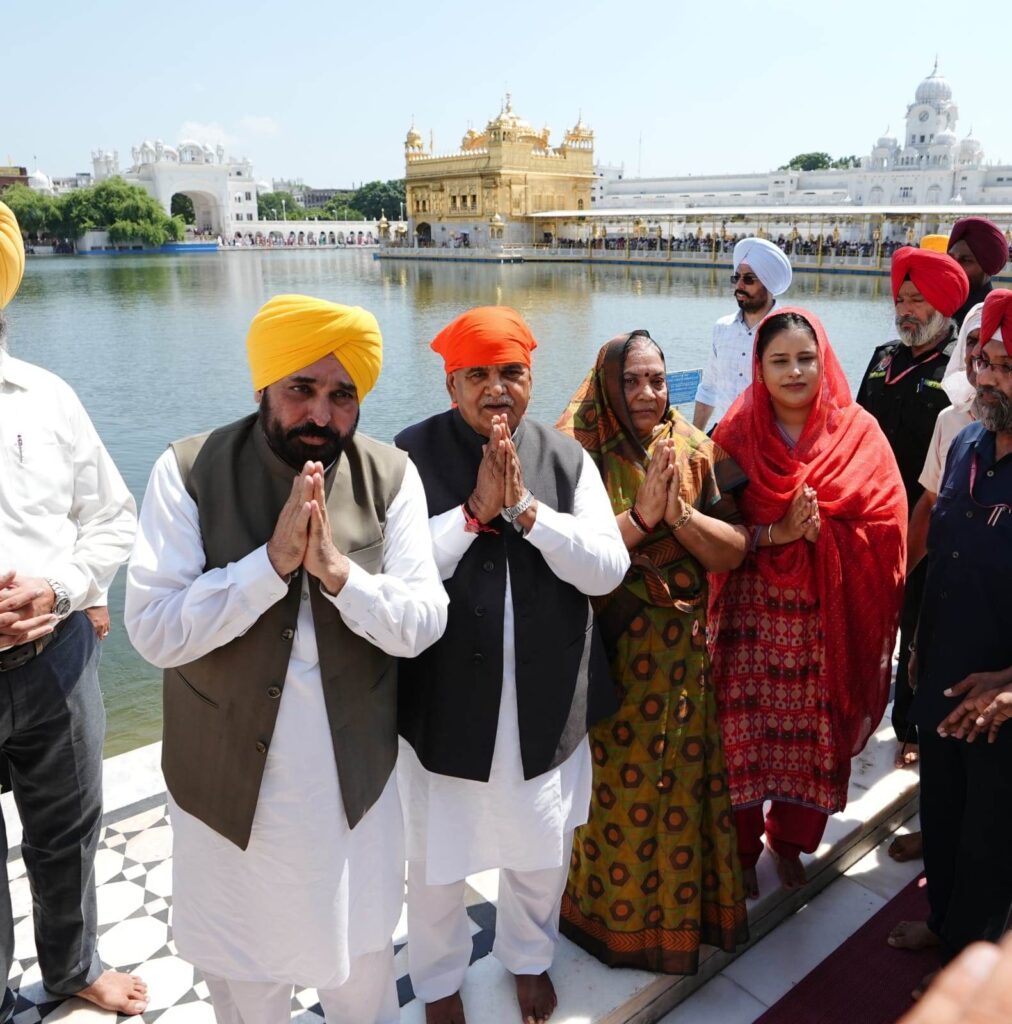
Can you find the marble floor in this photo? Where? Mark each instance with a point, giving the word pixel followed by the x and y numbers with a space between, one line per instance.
pixel 851 878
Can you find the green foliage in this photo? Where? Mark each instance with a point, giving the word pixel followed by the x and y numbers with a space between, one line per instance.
pixel 375 198
pixel 182 206
pixel 38 215
pixel 342 207
pixel 808 162
pixel 126 211
pixel 846 161
pixel 279 206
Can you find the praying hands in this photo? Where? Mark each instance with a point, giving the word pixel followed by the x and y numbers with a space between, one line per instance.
pixel 302 536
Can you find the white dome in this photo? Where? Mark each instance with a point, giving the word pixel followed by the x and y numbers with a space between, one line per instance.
pixel 946 137
pixel 970 145
pixel 39 181
pixel 934 89
pixel 886 142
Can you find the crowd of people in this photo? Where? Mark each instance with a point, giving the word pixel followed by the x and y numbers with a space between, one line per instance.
pixel 619 659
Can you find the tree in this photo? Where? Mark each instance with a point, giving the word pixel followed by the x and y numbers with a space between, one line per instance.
pixel 126 211
pixel 375 198
pixel 38 215
pixel 808 162
pixel 279 206
pixel 846 161
pixel 182 206
pixel 342 207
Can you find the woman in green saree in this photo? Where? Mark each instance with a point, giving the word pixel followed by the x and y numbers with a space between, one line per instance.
pixel 654 872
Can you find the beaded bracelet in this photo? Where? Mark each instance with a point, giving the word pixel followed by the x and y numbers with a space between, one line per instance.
pixel 639 522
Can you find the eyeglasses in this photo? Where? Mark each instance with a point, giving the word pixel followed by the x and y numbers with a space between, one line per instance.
pixel 982 363
pixel 746 279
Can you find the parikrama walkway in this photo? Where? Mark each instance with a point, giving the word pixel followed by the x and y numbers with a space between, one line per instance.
pixel 134 875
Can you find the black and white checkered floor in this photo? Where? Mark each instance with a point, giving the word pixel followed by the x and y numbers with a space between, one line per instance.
pixel 133 870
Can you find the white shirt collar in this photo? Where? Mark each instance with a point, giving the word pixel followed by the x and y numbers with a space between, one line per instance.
pixel 13 371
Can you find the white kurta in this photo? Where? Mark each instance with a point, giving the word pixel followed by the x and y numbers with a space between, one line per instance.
pixel 308 894
pixel 459 826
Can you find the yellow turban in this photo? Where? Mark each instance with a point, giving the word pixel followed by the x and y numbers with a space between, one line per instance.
pixel 294 331
pixel 937 243
pixel 12 255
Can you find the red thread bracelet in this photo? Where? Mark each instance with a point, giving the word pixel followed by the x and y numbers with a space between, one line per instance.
pixel 472 524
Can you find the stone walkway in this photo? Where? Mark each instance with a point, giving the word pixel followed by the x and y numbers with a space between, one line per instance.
pixel 133 870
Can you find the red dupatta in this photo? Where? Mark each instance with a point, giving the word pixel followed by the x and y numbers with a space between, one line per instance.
pixel 857 565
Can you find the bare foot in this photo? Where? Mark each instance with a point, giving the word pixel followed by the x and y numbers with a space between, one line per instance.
pixel 790 870
pixel 448 1010
pixel 904 848
pixel 536 996
pixel 750 881
pixel 113 990
pixel 923 986
pixel 907 755
pixel 912 935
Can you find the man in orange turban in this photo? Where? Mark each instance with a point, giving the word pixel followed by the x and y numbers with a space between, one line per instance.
pixel 496 764
pixel 902 389
pixel 980 247
pixel 283 562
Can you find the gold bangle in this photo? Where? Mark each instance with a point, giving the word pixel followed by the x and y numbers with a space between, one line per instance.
pixel 682 519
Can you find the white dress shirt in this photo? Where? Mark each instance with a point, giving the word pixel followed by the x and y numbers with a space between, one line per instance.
pixel 308 894
pixel 949 423
pixel 65 512
pixel 728 369
pixel 460 826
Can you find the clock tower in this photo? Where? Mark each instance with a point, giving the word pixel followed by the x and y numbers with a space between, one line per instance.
pixel 931 122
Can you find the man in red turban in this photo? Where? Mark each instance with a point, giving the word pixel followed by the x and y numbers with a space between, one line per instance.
pixel 902 389
pixel 981 249
pixel 495 767
pixel 996 319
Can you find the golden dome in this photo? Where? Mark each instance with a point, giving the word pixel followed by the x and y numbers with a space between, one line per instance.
pixel 413 139
pixel 509 126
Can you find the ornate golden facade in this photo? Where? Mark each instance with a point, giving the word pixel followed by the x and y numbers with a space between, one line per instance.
pixel 488 188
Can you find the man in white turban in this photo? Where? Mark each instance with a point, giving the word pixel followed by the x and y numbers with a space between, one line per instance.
pixel 761 272
pixel 283 562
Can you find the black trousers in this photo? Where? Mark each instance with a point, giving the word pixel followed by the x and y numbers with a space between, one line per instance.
pixel 906 731
pixel 966 821
pixel 52 725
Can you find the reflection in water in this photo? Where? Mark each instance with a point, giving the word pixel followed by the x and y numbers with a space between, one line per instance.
pixel 155 347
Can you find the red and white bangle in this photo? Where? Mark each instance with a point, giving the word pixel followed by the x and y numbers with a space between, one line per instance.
pixel 639 522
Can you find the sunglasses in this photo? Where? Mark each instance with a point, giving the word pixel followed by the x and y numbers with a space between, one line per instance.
pixel 746 279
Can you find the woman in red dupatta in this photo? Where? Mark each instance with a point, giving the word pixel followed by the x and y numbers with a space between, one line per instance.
pixel 802 635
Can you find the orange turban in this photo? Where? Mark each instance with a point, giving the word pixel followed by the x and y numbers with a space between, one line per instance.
pixel 12 255
pixel 997 316
pixel 936 243
pixel 485 336
pixel 939 278
pixel 294 331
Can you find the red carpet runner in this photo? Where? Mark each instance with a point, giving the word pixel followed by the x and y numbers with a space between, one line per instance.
pixel 864 981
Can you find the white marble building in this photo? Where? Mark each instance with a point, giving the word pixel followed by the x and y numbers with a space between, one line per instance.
pixel 928 165
pixel 223 191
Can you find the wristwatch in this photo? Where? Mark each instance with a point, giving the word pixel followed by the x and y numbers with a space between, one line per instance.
pixel 61 606
pixel 514 512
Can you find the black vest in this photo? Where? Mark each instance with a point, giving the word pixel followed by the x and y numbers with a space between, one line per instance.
pixel 448 698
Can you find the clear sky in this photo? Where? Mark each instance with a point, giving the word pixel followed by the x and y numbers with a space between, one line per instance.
pixel 326 91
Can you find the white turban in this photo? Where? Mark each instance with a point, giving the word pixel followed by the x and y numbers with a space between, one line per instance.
pixel 768 263
pixel 960 391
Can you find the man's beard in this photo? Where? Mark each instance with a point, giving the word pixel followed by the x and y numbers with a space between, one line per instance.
pixel 750 305
pixel 923 334
pixel 996 416
pixel 288 444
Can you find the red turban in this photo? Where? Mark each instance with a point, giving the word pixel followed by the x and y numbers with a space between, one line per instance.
pixel 485 336
pixel 939 278
pixel 997 316
pixel 986 242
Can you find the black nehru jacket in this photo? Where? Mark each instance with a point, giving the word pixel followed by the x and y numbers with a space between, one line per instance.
pixel 448 697
pixel 905 395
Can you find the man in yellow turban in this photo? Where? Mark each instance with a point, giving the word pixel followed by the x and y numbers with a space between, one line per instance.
pixel 283 563
pixel 67 523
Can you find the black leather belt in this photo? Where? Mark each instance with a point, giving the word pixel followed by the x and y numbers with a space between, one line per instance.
pixel 16 657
